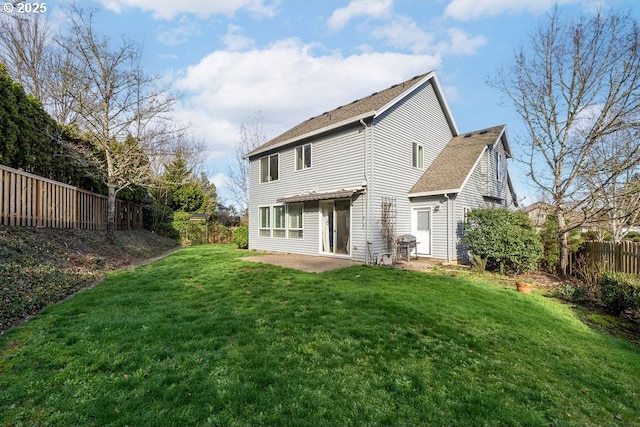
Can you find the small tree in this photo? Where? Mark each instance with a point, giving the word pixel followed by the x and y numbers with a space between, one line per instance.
pixel 506 240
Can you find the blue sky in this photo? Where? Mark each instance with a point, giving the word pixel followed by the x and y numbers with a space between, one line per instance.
pixel 290 60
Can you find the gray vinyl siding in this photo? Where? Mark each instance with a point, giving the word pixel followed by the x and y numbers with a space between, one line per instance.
pixel 440 211
pixel 337 162
pixel 418 118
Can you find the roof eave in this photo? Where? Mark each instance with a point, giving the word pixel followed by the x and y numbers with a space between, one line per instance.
pixel 316 132
pixel 435 192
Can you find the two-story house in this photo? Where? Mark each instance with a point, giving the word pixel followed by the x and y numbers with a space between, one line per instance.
pixel 347 182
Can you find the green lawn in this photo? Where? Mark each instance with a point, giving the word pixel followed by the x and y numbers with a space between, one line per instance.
pixel 203 337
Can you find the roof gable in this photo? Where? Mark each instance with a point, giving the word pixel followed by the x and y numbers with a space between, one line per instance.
pixel 451 169
pixel 355 111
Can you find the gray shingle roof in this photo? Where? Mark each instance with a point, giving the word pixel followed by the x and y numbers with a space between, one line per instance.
pixel 344 113
pixel 455 162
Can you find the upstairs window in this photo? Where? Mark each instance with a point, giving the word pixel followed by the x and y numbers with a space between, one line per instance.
pixel 269 168
pixel 499 166
pixel 303 157
pixel 418 156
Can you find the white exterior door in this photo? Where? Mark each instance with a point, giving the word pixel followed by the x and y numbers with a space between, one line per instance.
pixel 421 228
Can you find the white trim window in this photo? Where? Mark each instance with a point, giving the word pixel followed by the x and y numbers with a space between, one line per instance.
pixel 265 221
pixel 303 157
pixel 499 166
pixel 279 221
pixel 417 155
pixel 294 211
pixel 269 168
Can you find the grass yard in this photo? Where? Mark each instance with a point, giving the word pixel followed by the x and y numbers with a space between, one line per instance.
pixel 204 338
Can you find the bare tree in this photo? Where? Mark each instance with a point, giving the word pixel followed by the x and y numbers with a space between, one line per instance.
pixel 252 135
pixel 25 48
pixel 576 83
pixel 615 184
pixel 118 108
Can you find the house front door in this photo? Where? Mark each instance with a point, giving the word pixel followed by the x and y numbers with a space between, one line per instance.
pixel 421 228
pixel 335 223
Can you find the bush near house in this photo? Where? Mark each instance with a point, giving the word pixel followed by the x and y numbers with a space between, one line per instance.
pixel 507 240
pixel 241 237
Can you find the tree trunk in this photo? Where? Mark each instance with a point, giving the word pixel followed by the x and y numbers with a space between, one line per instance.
pixel 111 212
pixel 563 245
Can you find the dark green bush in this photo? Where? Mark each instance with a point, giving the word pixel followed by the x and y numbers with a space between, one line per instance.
pixel 620 292
pixel 159 218
pixel 633 236
pixel 241 236
pixel 507 240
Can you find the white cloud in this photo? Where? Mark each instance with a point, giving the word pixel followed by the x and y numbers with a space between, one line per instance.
pixel 178 34
pixel 370 8
pixel 404 33
pixel 168 9
pixel 221 181
pixel 467 10
pixel 460 43
pixel 235 40
pixel 286 82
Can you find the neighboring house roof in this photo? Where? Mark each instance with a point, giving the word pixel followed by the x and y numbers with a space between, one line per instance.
pixel 455 163
pixel 543 206
pixel 370 106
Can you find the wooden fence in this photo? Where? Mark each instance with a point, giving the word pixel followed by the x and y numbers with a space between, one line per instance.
pixel 33 201
pixel 623 257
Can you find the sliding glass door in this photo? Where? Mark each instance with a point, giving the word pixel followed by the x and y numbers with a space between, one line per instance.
pixel 336 221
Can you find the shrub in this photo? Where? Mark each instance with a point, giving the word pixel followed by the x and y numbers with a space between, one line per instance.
pixel 633 236
pixel 590 273
pixel 506 239
pixel 620 292
pixel 241 236
pixel 218 233
pixel 191 232
pixel 159 219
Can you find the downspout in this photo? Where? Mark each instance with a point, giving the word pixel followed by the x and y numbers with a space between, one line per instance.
pixel 366 194
pixel 446 196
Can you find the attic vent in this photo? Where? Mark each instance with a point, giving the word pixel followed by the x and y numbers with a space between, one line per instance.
pixel 482 132
pixel 374 93
pixel 467 136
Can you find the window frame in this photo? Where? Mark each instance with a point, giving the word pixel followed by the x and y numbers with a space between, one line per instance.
pixel 295 232
pixel 267 176
pixel 301 157
pixel 279 230
pixel 417 155
pixel 264 230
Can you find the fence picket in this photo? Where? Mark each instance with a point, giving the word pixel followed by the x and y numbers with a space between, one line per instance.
pixel 30 200
pixel 623 257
